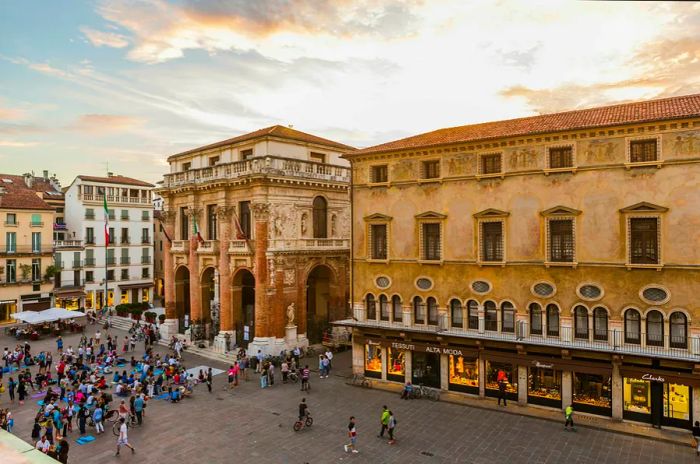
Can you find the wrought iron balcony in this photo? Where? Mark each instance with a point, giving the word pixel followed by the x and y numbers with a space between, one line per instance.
pixel 315 244
pixel 68 244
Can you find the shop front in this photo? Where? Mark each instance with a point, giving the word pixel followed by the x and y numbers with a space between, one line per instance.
pixel 544 385
pixel 658 397
pixel 69 299
pixel 373 359
pixel 7 309
pixel 464 374
pixel 396 366
pixel 425 369
pixel 505 371
pixel 592 393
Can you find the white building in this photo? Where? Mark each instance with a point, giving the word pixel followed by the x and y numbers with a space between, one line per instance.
pixel 128 258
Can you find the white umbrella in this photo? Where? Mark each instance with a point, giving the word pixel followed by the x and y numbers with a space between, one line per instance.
pixel 30 317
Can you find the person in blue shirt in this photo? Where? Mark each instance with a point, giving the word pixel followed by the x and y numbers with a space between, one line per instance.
pixel 139 404
pixel 174 394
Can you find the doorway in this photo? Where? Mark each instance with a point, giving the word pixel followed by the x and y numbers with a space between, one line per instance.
pixel 182 297
pixel 318 292
pixel 243 299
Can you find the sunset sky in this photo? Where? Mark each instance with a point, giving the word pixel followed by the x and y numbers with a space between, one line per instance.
pixel 129 82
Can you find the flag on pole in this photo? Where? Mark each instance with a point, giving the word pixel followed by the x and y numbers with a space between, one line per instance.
pixel 106 220
pixel 195 229
pixel 239 230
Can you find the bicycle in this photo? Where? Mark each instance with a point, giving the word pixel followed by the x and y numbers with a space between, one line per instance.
pixel 300 424
pixel 361 380
pixel 130 423
pixel 293 377
pixel 426 392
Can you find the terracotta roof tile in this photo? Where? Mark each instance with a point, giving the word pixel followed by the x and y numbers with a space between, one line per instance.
pixel 627 113
pixel 18 196
pixel 272 131
pixel 122 180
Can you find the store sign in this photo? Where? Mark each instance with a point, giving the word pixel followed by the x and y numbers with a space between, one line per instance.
pixel 543 365
pixel 653 378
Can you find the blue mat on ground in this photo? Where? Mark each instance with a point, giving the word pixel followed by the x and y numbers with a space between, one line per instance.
pixel 158 372
pixel 163 396
pixel 9 369
pixel 40 402
pixel 121 365
pixel 84 440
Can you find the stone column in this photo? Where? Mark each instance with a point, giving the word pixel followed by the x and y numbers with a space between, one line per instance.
pixel 482 376
pixel 195 286
pixel 617 393
pixel 444 372
pixel 482 320
pixel 358 357
pixel 696 405
pixel 170 326
pixel 224 215
pixel 522 385
pixel 567 395
pixel 408 364
pixel 384 362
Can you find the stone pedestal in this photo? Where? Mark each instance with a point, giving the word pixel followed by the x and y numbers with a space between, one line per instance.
pixel 273 346
pixel 224 340
pixel 168 328
pixel 290 335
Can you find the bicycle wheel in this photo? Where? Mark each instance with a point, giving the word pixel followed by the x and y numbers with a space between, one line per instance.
pixel 433 396
pixel 115 428
pixel 309 421
pixel 298 425
pixel 366 383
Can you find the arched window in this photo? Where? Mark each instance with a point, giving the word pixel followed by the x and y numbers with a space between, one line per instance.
pixel 371 305
pixel 655 328
pixel 633 326
pixel 507 317
pixel 432 311
pixel 418 310
pixel 473 314
pixel 679 330
pixel 535 319
pixel 552 320
pixel 581 322
pixel 456 314
pixel 600 324
pixel 491 316
pixel 396 308
pixel 320 215
pixel 383 308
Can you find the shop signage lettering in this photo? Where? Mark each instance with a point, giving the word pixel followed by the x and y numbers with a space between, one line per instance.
pixel 653 378
pixel 441 350
pixel 403 346
pixel 372 342
pixel 543 365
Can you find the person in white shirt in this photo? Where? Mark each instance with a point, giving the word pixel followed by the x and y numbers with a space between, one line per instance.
pixel 123 438
pixel 43 445
pixel 329 356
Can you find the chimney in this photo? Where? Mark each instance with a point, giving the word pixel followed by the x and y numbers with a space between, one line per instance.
pixel 28 179
pixel 46 174
pixel 110 174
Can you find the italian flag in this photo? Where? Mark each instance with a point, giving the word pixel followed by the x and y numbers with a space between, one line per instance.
pixel 195 229
pixel 106 220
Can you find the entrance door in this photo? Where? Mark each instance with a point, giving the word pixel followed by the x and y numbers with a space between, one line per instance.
pixel 657 403
pixel 426 369
pixel 677 405
pixel 134 295
pixel 317 303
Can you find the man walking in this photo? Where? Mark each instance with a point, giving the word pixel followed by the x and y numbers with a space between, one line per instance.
pixel 391 427
pixel 384 421
pixel 138 408
pixel 123 438
pixel 352 433
pixel 569 417
pixel 305 373
pixel 209 379
pixel 502 392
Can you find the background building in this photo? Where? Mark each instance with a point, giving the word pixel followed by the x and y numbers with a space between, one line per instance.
pixel 273 212
pixel 26 228
pixel 128 258
pixel 557 251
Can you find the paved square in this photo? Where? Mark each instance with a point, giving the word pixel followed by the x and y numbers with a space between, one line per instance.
pixel 255 426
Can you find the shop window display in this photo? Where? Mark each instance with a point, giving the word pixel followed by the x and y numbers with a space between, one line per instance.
pixel 592 393
pixel 637 396
pixel 396 367
pixel 507 371
pixel 426 369
pixel 464 374
pixel 373 361
pixel 544 386
pixel 677 401
pixel 88 300
pixel 7 309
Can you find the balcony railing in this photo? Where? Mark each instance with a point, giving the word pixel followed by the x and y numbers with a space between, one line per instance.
pixel 611 340
pixel 90 241
pixel 145 260
pixel 125 260
pixel 271 166
pixel 125 241
pixel 180 246
pixel 319 244
pixel 12 223
pixel 25 249
pixel 68 244
pixel 111 260
pixel 145 240
pixel 77 264
pixel 208 246
pixel 36 224
pixel 89 262
pixel 89 215
pixel 240 247
pixel 112 199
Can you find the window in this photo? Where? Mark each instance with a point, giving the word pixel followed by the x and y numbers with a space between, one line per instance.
pixel 125 215
pixel 36 242
pixel 431 241
pixel 655 328
pixel 186 166
pixel 90 235
pixel 11 242
pixel 145 216
pixel 561 240
pixel 600 324
pixel 383 308
pixel 125 235
pixel 89 276
pixel 89 257
pixel 11 219
pixel 491 164
pixel 89 213
pixel 642 151
pixel 396 308
pixel 246 154
pixel 679 330
pixel 507 317
pixel 317 157
pixel 184 224
pixel 125 256
pixel 418 310
pixel 320 212
pixel 592 391
pixel 111 260
pixel 211 222
pixel 213 160
pixel 379 174
pixel 244 209
pixel 473 314
pixel 552 320
pixel 373 361
pixel 125 274
pixel 644 240
pixel 561 157
pixel 145 273
pixel 378 240
pixel 632 326
pixel 145 235
pixel 36 220
pixel 456 317
pixel 111 214
pixel 11 271
pixel 492 241
pixel 396 365
pixel 432 311
pixel 491 316
pixel 581 322
pixel 535 319
pixel 371 306
pixel 145 256
pixel 110 274
pixel 431 169
pixel 464 372
pixel 112 237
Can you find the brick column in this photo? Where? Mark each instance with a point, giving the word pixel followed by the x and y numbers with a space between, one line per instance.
pixel 195 286
pixel 168 223
pixel 262 316
pixel 224 214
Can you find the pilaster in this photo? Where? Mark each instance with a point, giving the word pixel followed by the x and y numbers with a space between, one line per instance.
pixel 168 222
pixel 261 211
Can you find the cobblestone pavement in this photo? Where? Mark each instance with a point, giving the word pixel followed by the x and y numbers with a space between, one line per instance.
pixel 250 425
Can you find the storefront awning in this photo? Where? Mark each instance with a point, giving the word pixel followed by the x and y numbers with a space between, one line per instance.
pixel 72 293
pixel 133 286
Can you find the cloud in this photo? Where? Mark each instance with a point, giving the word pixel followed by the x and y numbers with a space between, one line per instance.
pixel 107 39
pixel 16 144
pixel 104 123
pixel 11 113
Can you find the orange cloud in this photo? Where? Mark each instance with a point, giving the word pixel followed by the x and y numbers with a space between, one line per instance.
pixel 107 39
pixel 11 113
pixel 104 123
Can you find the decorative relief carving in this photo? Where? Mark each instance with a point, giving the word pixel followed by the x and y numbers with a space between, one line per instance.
pixel 289 277
pixel 461 164
pixel 304 224
pixel 282 222
pixel 261 211
pixel 224 212
pixel 600 151
pixel 334 220
pixel 404 170
pixel 685 143
pixel 167 216
pixel 523 158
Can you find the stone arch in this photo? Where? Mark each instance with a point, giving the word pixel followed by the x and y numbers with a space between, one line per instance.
pixel 243 305
pixel 321 302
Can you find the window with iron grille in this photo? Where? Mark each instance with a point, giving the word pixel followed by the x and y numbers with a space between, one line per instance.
pixel 431 242
pixel 380 173
pixel 581 322
pixel 492 241
pixel 561 240
pixel 561 157
pixel 643 151
pixel 632 326
pixel 644 241
pixel 473 314
pixel 456 318
pixel 125 274
pixel 490 316
pixel 491 164
pixel 431 169
pixel 378 241
pixel 383 308
pixel 507 317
